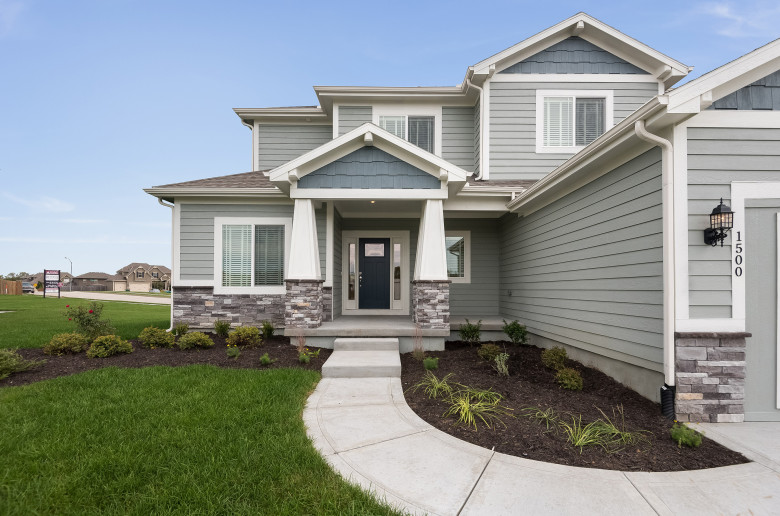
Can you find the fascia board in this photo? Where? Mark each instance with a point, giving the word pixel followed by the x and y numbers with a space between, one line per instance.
pixel 729 77
pixel 214 192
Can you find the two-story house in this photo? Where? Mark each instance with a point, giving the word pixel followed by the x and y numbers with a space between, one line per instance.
pixel 564 183
pixel 142 277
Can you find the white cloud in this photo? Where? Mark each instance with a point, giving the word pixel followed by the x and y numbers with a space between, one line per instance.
pixel 748 19
pixel 49 204
pixel 9 12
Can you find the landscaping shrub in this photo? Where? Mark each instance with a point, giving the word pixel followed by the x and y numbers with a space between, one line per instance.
pixel 265 360
pixel 244 336
pixel 501 364
pixel 470 332
pixel 418 349
pixel 581 435
pixel 305 356
pixel 488 352
pixel 63 343
pixel 88 321
pixel 433 386
pixel 516 332
pixel 267 330
pixel 221 328
pixel 430 363
pixel 180 330
pixel 108 345
pixel 569 379
pixel 195 339
pixel 473 405
pixel 233 352
pixel 12 362
pixel 152 337
pixel 554 358
pixel 546 417
pixel 681 434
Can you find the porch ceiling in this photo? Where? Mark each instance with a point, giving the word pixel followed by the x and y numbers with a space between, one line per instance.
pixel 390 208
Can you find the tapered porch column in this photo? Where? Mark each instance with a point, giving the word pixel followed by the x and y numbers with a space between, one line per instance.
pixel 303 300
pixel 431 287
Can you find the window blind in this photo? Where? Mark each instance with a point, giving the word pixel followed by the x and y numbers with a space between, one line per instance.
pixel 558 114
pixel 421 132
pixel 394 124
pixel 269 255
pixel 236 255
pixel 590 121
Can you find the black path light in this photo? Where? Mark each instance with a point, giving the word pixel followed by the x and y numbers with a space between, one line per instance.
pixel 721 220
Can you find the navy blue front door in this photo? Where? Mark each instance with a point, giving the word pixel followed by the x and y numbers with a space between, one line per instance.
pixel 374 273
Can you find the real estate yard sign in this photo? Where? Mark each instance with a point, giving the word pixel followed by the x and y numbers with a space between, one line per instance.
pixel 51 282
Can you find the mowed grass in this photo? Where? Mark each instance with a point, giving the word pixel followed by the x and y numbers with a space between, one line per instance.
pixel 160 440
pixel 33 320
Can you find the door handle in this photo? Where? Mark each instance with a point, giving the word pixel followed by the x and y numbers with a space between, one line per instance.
pixel 360 279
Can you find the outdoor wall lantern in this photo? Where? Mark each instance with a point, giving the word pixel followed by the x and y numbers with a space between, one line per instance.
pixel 721 220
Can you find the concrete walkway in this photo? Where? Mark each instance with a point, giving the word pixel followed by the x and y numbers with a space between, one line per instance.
pixel 110 296
pixel 366 431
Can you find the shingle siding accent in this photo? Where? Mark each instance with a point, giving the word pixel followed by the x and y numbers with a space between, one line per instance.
pixel 513 123
pixel 586 270
pixel 764 94
pixel 574 55
pixel 369 168
pixel 457 136
pixel 279 144
pixel 352 117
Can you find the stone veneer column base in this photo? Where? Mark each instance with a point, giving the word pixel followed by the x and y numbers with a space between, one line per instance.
pixel 199 307
pixel 303 304
pixel 431 304
pixel 710 377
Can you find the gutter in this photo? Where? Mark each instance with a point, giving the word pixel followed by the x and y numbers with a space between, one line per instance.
pixel 173 225
pixel 216 192
pixel 667 193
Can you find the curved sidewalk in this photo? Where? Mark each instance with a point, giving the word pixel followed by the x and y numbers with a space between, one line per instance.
pixel 366 431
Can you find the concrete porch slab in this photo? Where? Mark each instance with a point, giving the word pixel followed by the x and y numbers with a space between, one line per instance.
pixel 362 364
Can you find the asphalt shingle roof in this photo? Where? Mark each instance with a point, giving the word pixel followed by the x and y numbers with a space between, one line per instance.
pixel 256 179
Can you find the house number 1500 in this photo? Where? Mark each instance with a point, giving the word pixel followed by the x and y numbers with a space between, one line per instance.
pixel 738 255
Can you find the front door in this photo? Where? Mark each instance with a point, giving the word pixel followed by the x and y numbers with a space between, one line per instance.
pixel 374 273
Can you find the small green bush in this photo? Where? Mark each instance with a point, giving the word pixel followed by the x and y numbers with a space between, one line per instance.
pixel 88 321
pixel 12 362
pixel 570 379
pixel 180 330
pixel 63 343
pixel 470 332
pixel 430 363
pixel 152 337
pixel 267 330
pixel 265 360
pixel 107 346
pixel 233 352
pixel 681 434
pixel 516 332
pixel 501 364
pixel 488 352
pixel 221 328
pixel 195 339
pixel 244 336
pixel 304 358
pixel 554 358
pixel 435 387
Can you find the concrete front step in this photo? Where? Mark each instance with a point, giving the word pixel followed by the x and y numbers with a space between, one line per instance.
pixel 366 344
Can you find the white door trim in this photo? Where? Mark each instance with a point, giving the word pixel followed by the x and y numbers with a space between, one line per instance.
pixel 350 306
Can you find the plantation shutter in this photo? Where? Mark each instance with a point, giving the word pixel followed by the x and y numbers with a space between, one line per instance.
pixel 421 132
pixel 269 255
pixel 394 124
pixel 236 255
pixel 558 114
pixel 590 120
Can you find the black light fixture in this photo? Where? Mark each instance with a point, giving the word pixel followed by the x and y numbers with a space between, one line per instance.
pixel 721 220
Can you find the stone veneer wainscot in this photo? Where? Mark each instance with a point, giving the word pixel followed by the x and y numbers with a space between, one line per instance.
pixel 303 304
pixel 199 307
pixel 431 304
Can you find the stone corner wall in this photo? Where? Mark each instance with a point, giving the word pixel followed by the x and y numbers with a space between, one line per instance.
pixel 710 377
pixel 303 303
pixel 431 304
pixel 199 307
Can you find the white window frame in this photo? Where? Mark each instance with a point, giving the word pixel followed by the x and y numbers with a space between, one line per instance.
pixel 609 118
pixel 467 255
pixel 407 111
pixel 253 221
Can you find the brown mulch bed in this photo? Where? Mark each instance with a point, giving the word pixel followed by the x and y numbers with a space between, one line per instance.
pixel 277 347
pixel 530 384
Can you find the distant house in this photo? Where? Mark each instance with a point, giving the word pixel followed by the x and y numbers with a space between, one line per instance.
pixel 142 277
pixel 98 282
pixel 65 278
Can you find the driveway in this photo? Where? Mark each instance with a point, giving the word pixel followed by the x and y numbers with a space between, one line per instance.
pixel 110 296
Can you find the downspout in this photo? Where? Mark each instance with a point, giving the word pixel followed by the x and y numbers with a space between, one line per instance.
pixel 173 223
pixel 470 84
pixel 667 196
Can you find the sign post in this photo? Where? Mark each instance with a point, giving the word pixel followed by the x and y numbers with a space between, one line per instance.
pixel 51 282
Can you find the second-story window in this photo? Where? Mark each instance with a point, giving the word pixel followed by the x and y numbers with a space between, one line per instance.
pixel 139 274
pixel 566 121
pixel 415 129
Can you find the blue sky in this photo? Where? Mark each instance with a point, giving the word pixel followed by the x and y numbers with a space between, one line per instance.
pixel 101 98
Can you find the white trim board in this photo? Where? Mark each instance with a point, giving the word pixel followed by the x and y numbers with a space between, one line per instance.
pixel 573 77
pixel 466 234
pixel 733 118
pixel 609 116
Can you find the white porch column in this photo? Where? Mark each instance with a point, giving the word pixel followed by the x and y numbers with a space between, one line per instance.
pixel 431 262
pixel 304 263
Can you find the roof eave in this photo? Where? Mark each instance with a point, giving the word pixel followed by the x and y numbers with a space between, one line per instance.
pixel 168 193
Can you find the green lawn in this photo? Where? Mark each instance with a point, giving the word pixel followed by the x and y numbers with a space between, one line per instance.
pixel 159 440
pixel 33 320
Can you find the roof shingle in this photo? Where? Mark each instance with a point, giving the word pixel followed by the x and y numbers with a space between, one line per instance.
pixel 255 179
